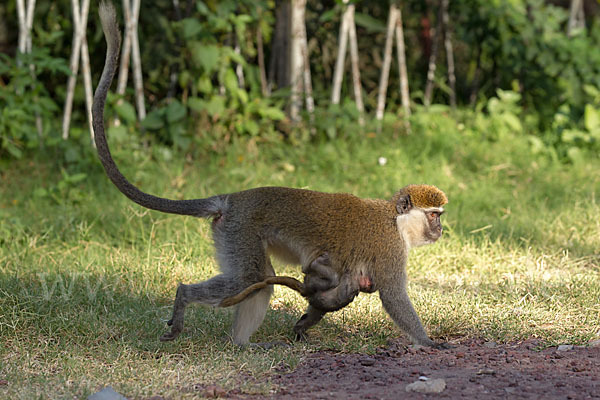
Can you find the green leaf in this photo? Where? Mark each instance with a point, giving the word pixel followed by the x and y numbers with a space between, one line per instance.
pixel 205 56
pixel 184 78
pixel 72 155
pixel 175 111
pixel 591 117
pixel 242 95
pixel 77 177
pixel 575 154
pixel 216 105
pixel 230 81
pixel 272 113
pixel 118 133
pixel 204 85
pixel 13 150
pixel 512 121
pixel 191 27
pixel 572 135
pixel 202 8
pixel 126 111
pixel 369 23
pixel 40 192
pixel 154 120
pixel 196 104
pixel 328 15
pixel 251 127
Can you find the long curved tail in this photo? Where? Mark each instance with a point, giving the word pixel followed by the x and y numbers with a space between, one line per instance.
pixel 290 282
pixel 199 207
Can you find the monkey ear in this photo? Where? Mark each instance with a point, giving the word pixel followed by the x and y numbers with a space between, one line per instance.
pixel 403 205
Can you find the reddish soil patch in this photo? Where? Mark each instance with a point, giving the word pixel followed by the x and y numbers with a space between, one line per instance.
pixel 472 369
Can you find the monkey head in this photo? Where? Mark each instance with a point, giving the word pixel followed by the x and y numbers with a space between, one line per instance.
pixel 419 209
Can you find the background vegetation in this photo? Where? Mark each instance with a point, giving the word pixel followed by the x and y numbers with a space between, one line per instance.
pixel 87 278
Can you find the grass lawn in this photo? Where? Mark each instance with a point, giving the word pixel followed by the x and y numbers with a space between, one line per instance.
pixel 87 278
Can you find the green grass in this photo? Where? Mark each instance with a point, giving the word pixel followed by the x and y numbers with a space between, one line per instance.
pixel 87 278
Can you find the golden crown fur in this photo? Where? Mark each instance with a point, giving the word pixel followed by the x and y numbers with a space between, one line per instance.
pixel 425 196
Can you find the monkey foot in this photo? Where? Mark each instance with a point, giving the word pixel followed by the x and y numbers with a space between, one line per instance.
pixel 169 336
pixel 301 337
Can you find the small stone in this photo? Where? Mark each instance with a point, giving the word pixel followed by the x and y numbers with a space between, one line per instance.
pixel 214 392
pixel 423 378
pixel 460 355
pixel 490 345
pixel 220 392
pixel 565 347
pixel 367 361
pixel 107 393
pixel 429 386
pixel 486 371
pixel 594 343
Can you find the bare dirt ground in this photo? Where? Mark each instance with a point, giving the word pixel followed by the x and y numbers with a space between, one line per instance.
pixel 472 369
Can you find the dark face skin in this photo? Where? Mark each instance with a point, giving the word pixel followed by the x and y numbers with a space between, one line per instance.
pixel 435 224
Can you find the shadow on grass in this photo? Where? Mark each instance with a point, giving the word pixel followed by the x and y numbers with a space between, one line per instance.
pixel 86 310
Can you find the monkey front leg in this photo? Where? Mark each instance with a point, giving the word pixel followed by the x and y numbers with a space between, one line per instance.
pixel 399 307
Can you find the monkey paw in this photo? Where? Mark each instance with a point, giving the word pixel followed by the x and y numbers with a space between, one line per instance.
pixel 169 336
pixel 301 337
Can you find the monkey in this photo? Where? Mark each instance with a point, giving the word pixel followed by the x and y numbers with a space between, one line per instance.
pixel 363 237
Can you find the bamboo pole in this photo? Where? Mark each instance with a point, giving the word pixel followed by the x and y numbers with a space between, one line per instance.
pixel 261 61
pixel 307 80
pixel 401 52
pixel 348 33
pixel 355 66
pixel 239 70
pixel 79 51
pixel 130 52
pixel 25 18
pixel 137 62
pixel 576 17
pixel 387 61
pixel 338 73
pixel 394 28
pixel 432 60
pixel 449 53
pixel 125 50
pixel 87 82
pixel 296 59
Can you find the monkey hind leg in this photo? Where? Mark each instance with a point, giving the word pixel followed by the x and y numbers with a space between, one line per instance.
pixel 249 315
pixel 210 292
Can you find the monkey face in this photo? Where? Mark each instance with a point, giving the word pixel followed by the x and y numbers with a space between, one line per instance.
pixel 419 227
pixel 435 224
